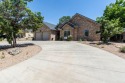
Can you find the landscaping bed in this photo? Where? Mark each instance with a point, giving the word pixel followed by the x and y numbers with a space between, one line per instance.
pixel 10 56
pixel 112 47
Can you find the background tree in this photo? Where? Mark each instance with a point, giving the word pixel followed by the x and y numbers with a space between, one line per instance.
pixel 64 19
pixel 14 16
pixel 113 20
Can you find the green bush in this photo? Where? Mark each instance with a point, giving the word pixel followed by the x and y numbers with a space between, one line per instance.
pixel 2 56
pixel 69 38
pixel 61 39
pixel 80 40
pixel 1 39
pixel 122 49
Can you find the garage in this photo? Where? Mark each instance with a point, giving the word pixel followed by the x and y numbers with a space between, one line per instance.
pixel 38 36
pixel 42 36
pixel 46 32
pixel 45 36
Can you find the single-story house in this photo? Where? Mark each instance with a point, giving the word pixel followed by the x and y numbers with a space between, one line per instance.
pixel 47 32
pixel 80 27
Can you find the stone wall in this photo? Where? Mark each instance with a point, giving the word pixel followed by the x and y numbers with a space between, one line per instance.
pixel 66 28
pixel 84 23
pixel 44 29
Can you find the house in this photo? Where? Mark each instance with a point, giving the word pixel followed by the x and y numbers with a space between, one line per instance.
pixel 80 27
pixel 47 32
pixel 29 33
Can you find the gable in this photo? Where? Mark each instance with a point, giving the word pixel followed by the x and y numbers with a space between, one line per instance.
pixel 80 20
pixel 66 27
pixel 43 28
pixel 50 26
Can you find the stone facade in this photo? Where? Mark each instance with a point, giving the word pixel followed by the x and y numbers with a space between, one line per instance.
pixel 78 24
pixel 66 28
pixel 46 29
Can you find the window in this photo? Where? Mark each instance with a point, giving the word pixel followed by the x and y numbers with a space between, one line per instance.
pixel 86 32
pixel 66 33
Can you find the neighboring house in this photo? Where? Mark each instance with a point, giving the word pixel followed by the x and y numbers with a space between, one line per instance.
pixel 47 32
pixel 80 27
pixel 29 33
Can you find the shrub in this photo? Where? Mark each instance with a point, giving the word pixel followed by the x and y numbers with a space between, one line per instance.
pixel 80 40
pixel 69 38
pixel 1 39
pixel 2 56
pixel 61 39
pixel 122 49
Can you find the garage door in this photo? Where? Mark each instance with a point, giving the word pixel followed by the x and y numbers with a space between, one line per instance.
pixel 38 36
pixel 45 35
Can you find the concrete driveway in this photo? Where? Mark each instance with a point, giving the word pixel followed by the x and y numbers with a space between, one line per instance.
pixel 67 62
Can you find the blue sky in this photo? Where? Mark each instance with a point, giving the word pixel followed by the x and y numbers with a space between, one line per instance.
pixel 52 10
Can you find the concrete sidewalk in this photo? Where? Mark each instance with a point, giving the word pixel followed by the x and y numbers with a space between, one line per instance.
pixel 67 62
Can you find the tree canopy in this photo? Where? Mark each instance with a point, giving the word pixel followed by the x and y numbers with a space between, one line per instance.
pixel 64 19
pixel 14 16
pixel 113 20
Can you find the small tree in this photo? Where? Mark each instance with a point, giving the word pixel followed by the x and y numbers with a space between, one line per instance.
pixel 113 20
pixel 14 16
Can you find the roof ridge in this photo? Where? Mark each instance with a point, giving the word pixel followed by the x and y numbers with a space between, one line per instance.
pixel 85 17
pixel 49 23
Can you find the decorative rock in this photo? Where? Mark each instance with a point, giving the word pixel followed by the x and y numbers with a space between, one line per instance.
pixel 14 51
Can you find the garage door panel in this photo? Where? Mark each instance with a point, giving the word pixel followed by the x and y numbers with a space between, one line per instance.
pixel 39 36
pixel 46 35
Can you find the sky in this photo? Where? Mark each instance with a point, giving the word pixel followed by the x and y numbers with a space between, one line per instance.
pixel 52 10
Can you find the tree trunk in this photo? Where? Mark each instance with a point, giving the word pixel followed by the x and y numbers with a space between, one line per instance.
pixel 14 40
